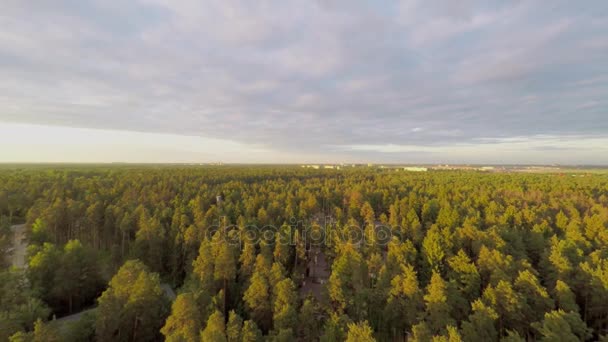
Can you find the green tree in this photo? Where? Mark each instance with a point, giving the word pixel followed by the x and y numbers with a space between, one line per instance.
pixel 133 308
pixel 150 241
pixel 565 298
pixel 360 332
pixel 225 268
pixel 185 321
pixel 251 332
pixel 433 249
pixel 308 325
pixel 536 297
pixel 561 326
pixel 247 261
pixel 405 302
pixel 480 325
pixel 283 251
pixel 234 327
pixel 43 332
pixel 215 331
pixel 464 273
pixel 41 269
pixel 19 306
pixel 203 271
pixel 437 307
pixel 257 300
pixel 347 282
pixel 512 336
pixel 285 305
pixel 77 278
pixel 508 304
pixel 335 328
pixel 46 332
pixel 452 335
pixel 39 233
pixel 421 333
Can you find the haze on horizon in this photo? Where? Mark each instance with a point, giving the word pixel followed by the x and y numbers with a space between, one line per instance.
pixel 406 81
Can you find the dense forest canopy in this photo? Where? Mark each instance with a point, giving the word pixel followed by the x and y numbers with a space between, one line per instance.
pixel 282 253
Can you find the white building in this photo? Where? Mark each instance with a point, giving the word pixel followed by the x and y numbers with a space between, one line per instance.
pixel 415 169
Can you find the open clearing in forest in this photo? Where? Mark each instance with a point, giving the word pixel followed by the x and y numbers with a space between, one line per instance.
pixel 19 246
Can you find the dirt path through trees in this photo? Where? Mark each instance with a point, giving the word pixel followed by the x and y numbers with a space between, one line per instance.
pixel 19 246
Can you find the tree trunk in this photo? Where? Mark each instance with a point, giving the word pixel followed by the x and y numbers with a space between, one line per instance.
pixel 225 297
pixel 135 329
pixel 122 244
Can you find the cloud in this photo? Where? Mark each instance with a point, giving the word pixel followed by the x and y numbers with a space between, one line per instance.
pixel 513 150
pixel 299 76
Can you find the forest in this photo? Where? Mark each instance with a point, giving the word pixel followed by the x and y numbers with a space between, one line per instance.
pixel 283 253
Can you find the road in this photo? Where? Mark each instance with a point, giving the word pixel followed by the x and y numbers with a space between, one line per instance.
pixel 19 246
pixel 74 317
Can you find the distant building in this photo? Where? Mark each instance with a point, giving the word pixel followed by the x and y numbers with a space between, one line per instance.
pixel 415 169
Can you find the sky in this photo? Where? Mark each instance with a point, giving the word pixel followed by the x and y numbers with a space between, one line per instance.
pixel 303 81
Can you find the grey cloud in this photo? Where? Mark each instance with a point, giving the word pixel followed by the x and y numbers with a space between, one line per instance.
pixel 304 75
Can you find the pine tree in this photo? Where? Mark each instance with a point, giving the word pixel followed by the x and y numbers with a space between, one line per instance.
pixel 46 332
pixel 480 326
pixel 77 277
pixel 308 326
pixel 508 304
pixel 421 333
pixel 565 298
pixel 276 275
pixel 234 327
pixel 185 321
pixel 437 307
pixel 257 299
pixel 452 335
pixel 360 332
pixel 335 328
pixel 347 282
pixel 215 331
pixel 464 272
pixel 247 261
pixel 41 269
pixel 133 307
pixel 536 297
pixel 225 269
pixel 204 268
pixel 405 302
pixel 512 336
pixel 283 250
pixel 561 326
pixel 285 304
pixel 149 241
pixel 251 332
pixel 433 249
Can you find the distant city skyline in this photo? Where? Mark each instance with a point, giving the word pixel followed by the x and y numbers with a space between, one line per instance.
pixel 327 81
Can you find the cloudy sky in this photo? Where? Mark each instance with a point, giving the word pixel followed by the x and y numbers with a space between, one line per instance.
pixel 412 81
